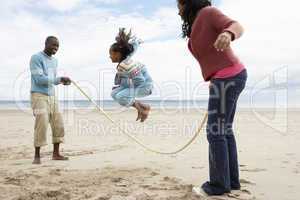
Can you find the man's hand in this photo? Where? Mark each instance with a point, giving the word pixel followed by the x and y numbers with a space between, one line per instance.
pixel 65 80
pixel 223 41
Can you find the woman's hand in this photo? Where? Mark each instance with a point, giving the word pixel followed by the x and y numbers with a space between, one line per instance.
pixel 223 41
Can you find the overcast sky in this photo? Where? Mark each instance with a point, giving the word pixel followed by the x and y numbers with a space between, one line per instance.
pixel 86 29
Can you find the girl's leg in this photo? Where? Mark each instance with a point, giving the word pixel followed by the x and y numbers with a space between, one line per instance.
pixel 144 112
pixel 115 91
pixel 143 91
pixel 126 97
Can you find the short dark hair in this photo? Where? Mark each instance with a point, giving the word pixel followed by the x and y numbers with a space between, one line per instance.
pixel 191 9
pixel 50 38
pixel 122 44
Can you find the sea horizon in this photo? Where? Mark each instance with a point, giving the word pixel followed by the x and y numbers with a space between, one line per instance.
pixel 157 104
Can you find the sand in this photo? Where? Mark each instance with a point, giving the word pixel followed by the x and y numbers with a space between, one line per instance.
pixel 106 165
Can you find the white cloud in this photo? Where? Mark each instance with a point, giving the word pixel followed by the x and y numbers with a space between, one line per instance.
pixel 64 5
pixel 270 40
pixel 67 5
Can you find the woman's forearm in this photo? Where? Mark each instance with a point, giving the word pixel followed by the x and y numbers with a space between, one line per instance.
pixel 236 29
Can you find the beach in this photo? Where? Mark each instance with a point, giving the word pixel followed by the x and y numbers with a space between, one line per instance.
pixel 106 165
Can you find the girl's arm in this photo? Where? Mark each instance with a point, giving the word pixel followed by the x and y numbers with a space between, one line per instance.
pixel 135 42
pixel 137 76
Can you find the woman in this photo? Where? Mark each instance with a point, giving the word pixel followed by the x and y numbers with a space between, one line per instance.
pixel 209 34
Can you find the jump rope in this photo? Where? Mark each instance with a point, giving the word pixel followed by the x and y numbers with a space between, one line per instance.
pixel 134 138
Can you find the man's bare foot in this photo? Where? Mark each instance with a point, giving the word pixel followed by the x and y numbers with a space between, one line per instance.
pixel 59 157
pixel 36 161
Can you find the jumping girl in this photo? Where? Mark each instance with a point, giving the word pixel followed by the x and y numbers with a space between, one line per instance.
pixel 132 79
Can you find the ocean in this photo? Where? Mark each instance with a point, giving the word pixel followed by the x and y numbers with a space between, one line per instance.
pixel 244 102
pixel 106 104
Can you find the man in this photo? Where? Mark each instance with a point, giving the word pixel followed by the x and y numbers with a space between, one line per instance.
pixel 44 104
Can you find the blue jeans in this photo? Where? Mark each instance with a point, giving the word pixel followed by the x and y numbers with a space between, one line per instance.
pixel 223 156
pixel 131 87
pixel 125 96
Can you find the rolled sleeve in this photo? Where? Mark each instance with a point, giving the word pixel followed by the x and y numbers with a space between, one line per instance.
pixel 220 21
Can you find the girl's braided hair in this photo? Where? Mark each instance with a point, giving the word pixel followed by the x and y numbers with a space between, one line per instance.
pixel 122 44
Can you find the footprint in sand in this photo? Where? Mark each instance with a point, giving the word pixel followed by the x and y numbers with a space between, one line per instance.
pixel 55 172
pixel 118 197
pixel 116 180
pixel 112 148
pixel 16 164
pixel 198 167
pixel 122 191
pixel 13 181
pixel 78 153
pixel 154 173
pixel 101 197
pixel 244 181
pixel 296 171
pixel 93 151
pixel 170 180
pixel 241 195
pixel 223 197
pixel 144 196
pixel 46 195
pixel 254 170
pixel 290 154
pixel 123 183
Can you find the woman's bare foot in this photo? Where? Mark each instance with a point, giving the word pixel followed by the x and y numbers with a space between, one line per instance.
pixel 36 161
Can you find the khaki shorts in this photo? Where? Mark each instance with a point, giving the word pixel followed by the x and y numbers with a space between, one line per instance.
pixel 45 110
